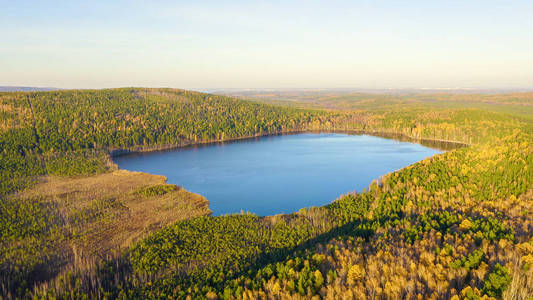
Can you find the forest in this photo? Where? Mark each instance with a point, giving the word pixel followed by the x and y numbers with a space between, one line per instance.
pixel 458 225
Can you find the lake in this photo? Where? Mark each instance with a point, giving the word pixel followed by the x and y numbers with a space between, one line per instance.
pixel 278 174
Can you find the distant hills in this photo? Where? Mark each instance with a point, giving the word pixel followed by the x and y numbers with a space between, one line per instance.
pixel 26 89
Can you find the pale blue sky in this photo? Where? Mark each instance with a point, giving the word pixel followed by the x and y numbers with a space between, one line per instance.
pixel 267 44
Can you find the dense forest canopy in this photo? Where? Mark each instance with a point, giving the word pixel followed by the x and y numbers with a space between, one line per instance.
pixel 456 225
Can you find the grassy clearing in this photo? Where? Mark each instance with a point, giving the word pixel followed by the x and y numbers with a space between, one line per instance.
pixel 76 221
pixel 120 213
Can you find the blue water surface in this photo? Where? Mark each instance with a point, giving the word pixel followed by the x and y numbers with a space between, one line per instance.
pixel 278 174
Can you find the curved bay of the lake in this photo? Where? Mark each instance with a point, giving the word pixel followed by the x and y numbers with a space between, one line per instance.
pixel 278 174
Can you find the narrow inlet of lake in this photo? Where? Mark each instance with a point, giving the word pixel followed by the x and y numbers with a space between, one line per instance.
pixel 278 174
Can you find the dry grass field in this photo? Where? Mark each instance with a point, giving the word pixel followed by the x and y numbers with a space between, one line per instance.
pixel 108 212
pixel 99 216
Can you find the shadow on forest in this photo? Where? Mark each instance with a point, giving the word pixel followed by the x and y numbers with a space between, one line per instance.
pixel 362 228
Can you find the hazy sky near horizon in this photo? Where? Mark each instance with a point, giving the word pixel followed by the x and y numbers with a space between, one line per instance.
pixel 267 44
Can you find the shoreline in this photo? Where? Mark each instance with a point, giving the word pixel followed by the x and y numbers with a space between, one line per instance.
pixel 389 135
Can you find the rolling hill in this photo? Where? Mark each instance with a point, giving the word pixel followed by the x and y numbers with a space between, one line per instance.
pixel 457 225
